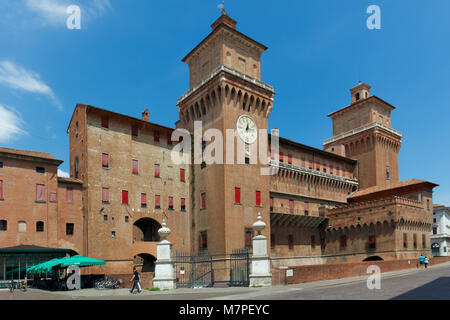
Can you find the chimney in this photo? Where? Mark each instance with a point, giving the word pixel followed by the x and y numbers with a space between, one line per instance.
pixel 146 115
pixel 275 132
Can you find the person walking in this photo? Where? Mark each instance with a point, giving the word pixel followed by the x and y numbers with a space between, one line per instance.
pixel 421 259
pixel 135 280
pixel 425 261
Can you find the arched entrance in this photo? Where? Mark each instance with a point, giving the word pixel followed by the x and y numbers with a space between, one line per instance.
pixel 435 249
pixel 146 229
pixel 145 262
pixel 373 258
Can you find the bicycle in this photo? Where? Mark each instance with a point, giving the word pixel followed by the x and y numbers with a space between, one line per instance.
pixel 107 284
pixel 19 285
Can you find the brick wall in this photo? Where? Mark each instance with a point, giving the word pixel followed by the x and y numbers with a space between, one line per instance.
pixel 311 273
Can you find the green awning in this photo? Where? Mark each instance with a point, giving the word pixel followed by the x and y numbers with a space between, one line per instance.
pixel 77 260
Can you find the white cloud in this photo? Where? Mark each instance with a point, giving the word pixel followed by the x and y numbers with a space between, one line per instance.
pixel 63 174
pixel 11 124
pixel 53 12
pixel 22 79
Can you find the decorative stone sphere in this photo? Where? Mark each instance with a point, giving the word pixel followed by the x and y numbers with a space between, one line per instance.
pixel 259 225
pixel 164 231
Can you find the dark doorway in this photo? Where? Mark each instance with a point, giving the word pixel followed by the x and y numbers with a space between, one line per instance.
pixel 373 258
pixel 146 229
pixel 145 261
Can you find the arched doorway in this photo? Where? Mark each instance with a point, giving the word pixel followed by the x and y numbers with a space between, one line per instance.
pixel 146 229
pixel 435 249
pixel 373 258
pixel 145 262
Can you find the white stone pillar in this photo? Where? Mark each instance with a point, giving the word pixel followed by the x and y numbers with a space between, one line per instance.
pixel 260 263
pixel 164 265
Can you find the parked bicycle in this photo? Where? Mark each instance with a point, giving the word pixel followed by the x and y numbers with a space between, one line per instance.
pixel 19 285
pixel 107 284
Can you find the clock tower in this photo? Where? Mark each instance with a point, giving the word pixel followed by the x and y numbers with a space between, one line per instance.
pixel 226 94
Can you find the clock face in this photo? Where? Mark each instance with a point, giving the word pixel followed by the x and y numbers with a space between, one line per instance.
pixel 247 130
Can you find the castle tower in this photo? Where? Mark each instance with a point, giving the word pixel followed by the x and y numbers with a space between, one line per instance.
pixel 226 91
pixel 362 131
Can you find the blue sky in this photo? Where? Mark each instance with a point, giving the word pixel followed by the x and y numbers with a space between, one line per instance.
pixel 127 57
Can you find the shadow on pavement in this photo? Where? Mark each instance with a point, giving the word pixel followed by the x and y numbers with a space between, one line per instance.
pixel 434 290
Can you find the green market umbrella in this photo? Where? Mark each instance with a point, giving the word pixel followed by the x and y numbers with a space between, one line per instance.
pixel 81 261
pixel 44 267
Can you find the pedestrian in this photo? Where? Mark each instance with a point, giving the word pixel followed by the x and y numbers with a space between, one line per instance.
pixel 421 258
pixel 425 261
pixel 135 280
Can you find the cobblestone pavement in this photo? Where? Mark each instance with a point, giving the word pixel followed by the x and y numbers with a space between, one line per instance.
pixel 431 283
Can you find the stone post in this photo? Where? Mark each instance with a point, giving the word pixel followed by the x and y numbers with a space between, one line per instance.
pixel 260 263
pixel 164 266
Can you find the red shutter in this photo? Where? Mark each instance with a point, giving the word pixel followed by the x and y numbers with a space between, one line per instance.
pixel 143 199
pixel 124 197
pixel 415 239
pixel 248 238
pixel 203 195
pixel 134 131
pixel 405 240
pixel 204 240
pixel 157 201
pixel 281 156
pixel 258 198
pixel 313 242
pixel 303 163
pixel 289 158
pixel 331 169
pixel 170 202
pixel 237 195
pixel 1 189
pixel 306 205
pixel 105 160
pixel 40 192
pixel 52 197
pixel 105 122
pixel 69 194
pixel 105 195
pixel 135 166
pixel 371 239
pixel 156 136
pixel 157 170
pixel 183 203
pixel 343 241
pixel 291 206
pixel 182 177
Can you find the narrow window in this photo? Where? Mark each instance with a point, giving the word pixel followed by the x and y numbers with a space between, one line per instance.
pixel 291 241
pixel 237 195
pixel 69 229
pixel 183 204
pixel 258 198
pixel 124 197
pixel 321 211
pixel 135 166
pixel 127 218
pixel 157 170
pixel 156 136
pixel 272 241
pixel 40 169
pixel 281 156
pixel 40 192
pixel 105 160
pixel 134 131
pixel 423 241
pixel 313 242
pixel 22 226
pixel 310 164
pixel 1 165
pixel 1 189
pixel 290 158
pixel 113 234
pixel 143 200
pixel 170 203
pixel 343 241
pixel 303 163
pixel 69 195
pixel 415 240
pixel 203 196
pixel 157 201
pixel 291 206
pixel 318 166
pixel 204 240
pixel 405 240
pixel 248 238
pixel 39 226
pixel 271 203
pixel 105 195
pixel 105 217
pixel 331 169
pixel 105 122
pixel 3 225
pixel 372 242
pixel 388 169
pixel 182 176
pixel 306 207
pixel 52 197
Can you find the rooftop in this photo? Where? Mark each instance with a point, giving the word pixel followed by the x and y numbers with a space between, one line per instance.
pixel 30 155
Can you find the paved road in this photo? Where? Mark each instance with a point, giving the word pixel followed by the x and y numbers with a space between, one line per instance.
pixel 432 283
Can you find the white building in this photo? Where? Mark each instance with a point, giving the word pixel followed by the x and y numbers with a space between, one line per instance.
pixel 440 235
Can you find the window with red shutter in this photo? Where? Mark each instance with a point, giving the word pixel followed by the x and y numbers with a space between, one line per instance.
pixel 310 164
pixel 143 200
pixel 69 194
pixel 170 203
pixel 204 240
pixel 258 198
pixel 303 163
pixel 372 242
pixel 290 158
pixel 156 136
pixel 52 197
pixel 157 201
pixel 134 131
pixel 291 241
pixel 237 195
pixel 105 195
pixel 182 177
pixel 405 240
pixel 157 170
pixel 317 165
pixel 203 196
pixel 105 160
pixel 183 204
pixel 135 165
pixel 343 241
pixel 1 189
pixel 124 197
pixel 281 157
pixel 306 207
pixel 105 122
pixel 40 192
pixel 271 203
pixel 291 206
pixel 423 241
pixel 415 240
pixel 248 239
